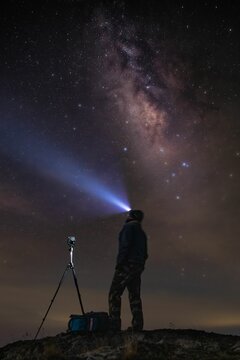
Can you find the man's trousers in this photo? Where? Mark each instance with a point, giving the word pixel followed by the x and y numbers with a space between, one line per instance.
pixel 127 276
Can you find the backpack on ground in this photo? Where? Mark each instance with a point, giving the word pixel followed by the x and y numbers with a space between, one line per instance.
pixel 89 322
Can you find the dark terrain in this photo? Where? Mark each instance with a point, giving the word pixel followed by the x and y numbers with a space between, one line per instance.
pixel 146 345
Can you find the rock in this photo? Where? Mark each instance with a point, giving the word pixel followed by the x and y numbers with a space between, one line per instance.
pixel 146 345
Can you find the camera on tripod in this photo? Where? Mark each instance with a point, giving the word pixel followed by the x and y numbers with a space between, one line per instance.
pixel 87 322
pixel 71 241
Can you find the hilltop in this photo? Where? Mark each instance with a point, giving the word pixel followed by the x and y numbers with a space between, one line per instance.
pixel 146 345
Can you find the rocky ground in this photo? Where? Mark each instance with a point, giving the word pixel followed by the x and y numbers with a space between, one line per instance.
pixel 145 345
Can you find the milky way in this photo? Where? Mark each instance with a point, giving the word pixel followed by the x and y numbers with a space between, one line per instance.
pixel 152 92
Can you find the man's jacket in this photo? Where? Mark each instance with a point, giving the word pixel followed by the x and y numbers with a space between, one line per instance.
pixel 132 244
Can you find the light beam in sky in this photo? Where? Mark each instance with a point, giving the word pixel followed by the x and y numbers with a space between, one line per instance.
pixel 47 160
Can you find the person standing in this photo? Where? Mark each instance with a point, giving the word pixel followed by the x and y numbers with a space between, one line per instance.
pixel 132 254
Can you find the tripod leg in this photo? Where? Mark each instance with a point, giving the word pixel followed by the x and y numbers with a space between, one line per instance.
pixel 60 283
pixel 78 292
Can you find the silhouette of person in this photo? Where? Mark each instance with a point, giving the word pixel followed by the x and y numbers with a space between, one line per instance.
pixel 132 254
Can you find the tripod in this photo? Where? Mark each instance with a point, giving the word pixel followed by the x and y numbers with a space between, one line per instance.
pixel 71 242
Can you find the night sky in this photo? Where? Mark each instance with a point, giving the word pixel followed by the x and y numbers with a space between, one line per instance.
pixel 104 104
